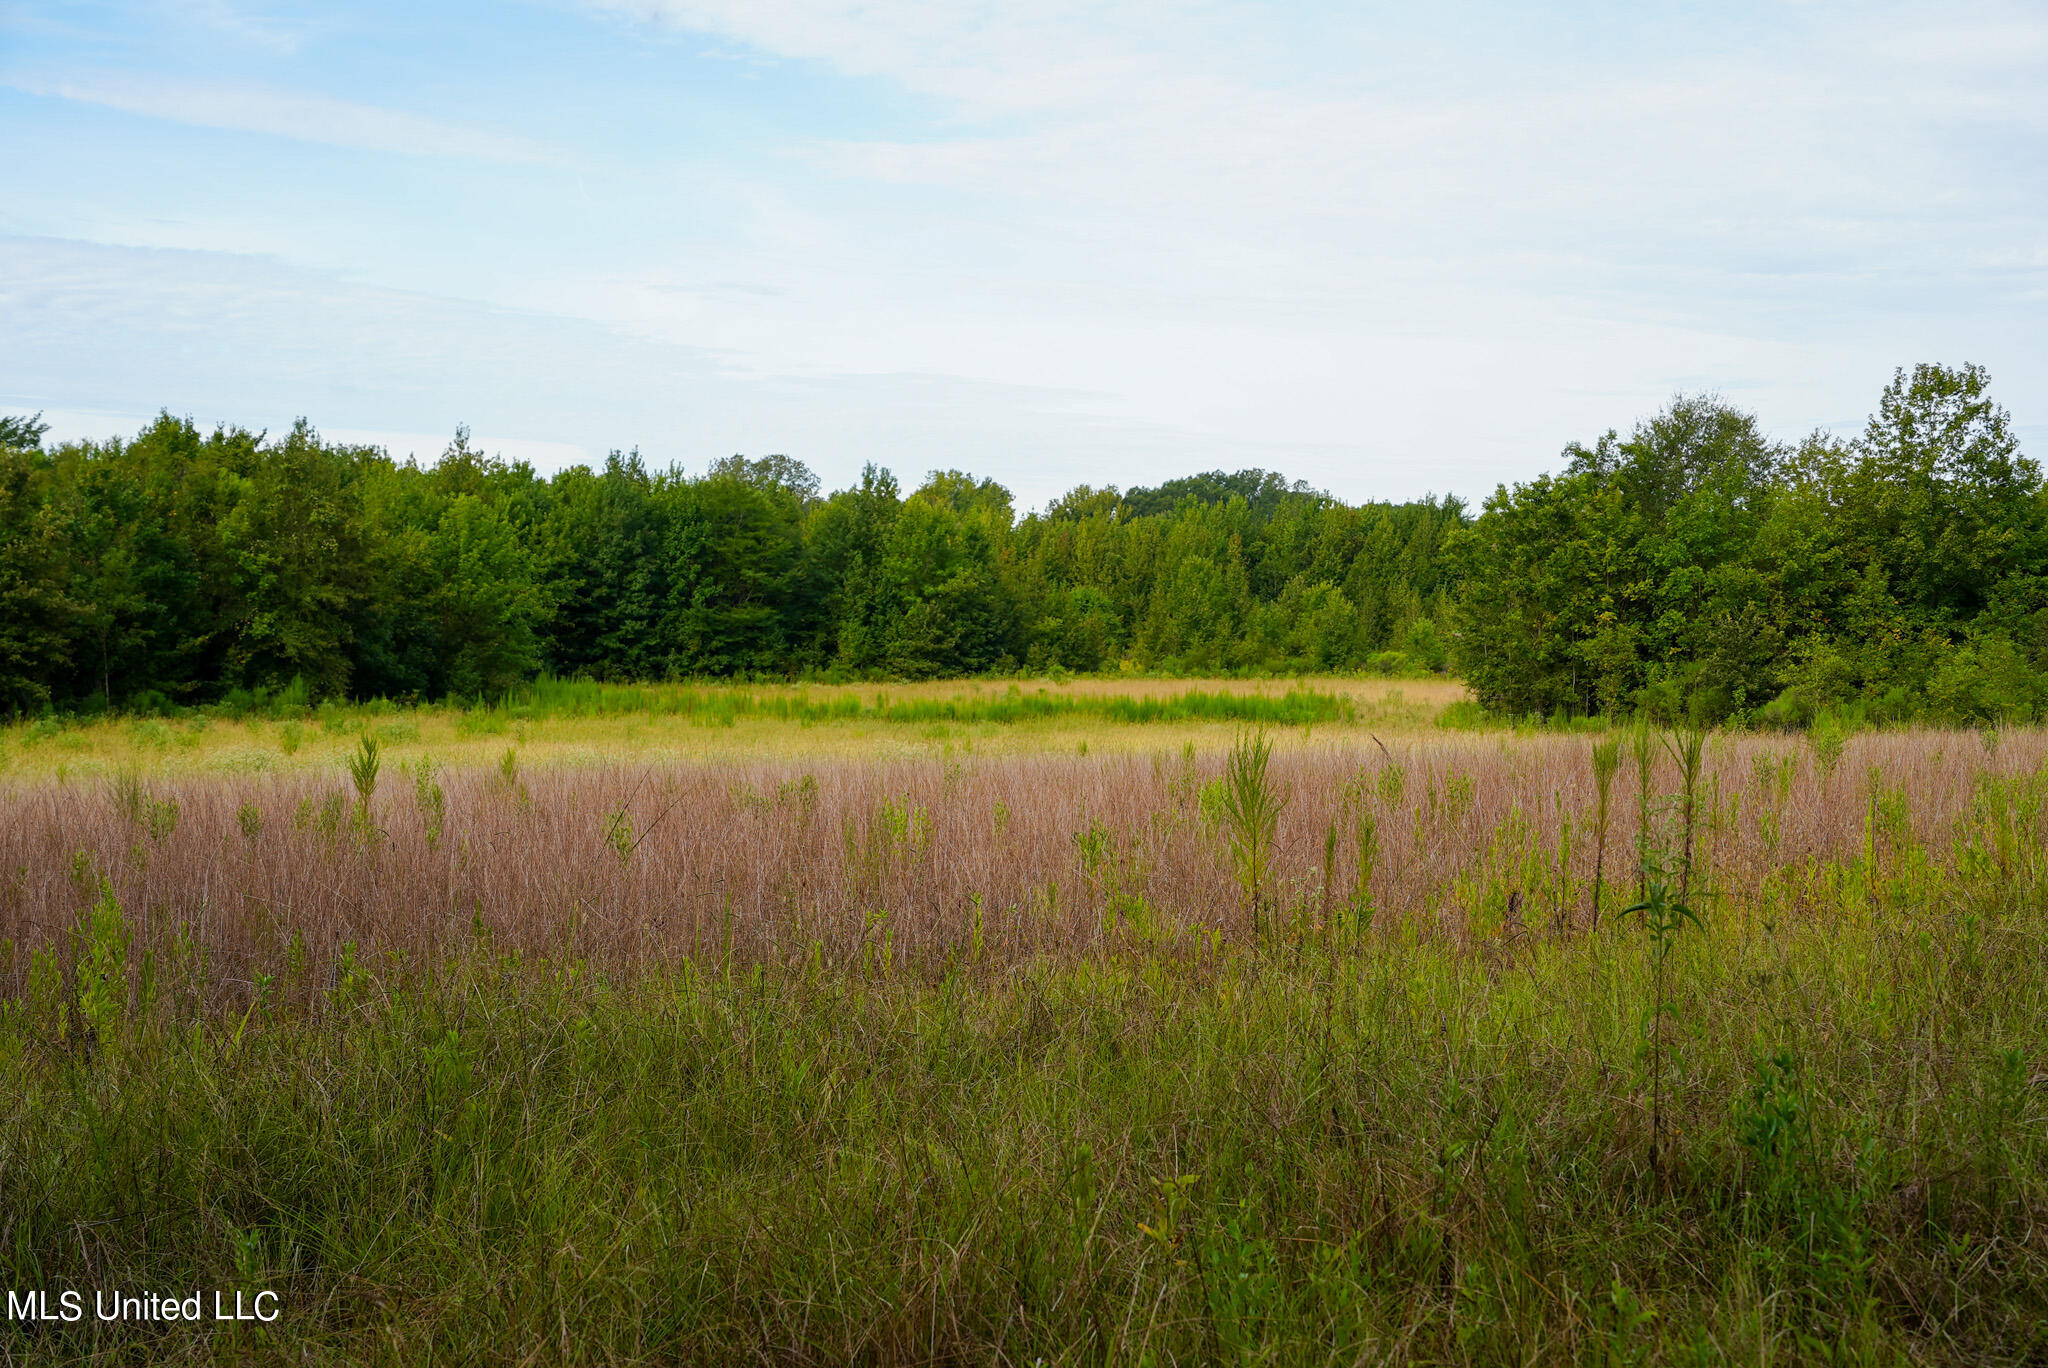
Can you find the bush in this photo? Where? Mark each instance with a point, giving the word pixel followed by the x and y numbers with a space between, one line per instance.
pixel 1985 681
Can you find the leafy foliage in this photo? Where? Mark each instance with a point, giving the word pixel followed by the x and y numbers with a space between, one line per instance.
pixel 182 568
pixel 1697 568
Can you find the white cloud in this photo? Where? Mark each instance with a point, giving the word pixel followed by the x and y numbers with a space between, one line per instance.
pixel 285 114
pixel 103 336
pixel 1331 230
pixel 1385 248
pixel 280 34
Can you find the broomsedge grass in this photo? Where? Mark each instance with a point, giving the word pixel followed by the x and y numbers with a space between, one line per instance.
pixel 980 1059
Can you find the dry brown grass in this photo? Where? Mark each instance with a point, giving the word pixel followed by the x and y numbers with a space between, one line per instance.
pixel 867 862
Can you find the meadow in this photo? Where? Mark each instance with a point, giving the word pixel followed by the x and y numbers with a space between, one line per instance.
pixel 1138 1021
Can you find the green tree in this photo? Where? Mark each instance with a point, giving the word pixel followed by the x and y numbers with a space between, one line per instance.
pixel 35 611
pixel 734 548
pixel 601 569
pixel 296 541
pixel 486 602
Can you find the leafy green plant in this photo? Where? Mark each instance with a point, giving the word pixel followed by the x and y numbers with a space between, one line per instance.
pixel 1773 1123
pixel 1687 747
pixel 1663 917
pixel 618 833
pixel 1118 875
pixel 430 799
pixel 1454 800
pixel 100 977
pixel 801 794
pixel 157 817
pixel 1771 777
pixel 1250 809
pixel 363 767
pixel 1365 842
pixel 508 775
pixel 1827 737
pixel 326 819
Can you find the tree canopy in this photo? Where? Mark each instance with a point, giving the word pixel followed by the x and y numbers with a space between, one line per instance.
pixel 1697 565
pixel 1694 564
pixel 181 566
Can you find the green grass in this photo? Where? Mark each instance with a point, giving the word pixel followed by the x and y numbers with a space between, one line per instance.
pixel 1807 1126
pixel 1412 1153
pixel 581 720
pixel 723 705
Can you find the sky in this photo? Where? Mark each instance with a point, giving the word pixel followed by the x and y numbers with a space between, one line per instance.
pixel 1389 249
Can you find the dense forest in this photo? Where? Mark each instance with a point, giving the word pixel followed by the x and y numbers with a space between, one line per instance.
pixel 184 567
pixel 1694 564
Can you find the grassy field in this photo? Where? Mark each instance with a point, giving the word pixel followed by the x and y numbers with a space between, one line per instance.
pixel 686 1025
pixel 590 723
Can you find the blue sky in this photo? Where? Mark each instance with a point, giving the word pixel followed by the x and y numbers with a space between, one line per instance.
pixel 1389 249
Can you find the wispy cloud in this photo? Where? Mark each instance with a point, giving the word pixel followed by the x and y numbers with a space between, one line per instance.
pixel 1835 115
pixel 254 25
pixel 286 114
pixel 1387 246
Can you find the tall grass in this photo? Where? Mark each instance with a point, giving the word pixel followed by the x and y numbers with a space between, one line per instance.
pixel 721 705
pixel 1606 761
pixel 906 1061
pixel 797 858
pixel 1398 1157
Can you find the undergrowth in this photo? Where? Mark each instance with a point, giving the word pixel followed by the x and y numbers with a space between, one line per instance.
pixel 1282 1155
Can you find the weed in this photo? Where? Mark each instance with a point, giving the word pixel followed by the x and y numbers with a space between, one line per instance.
pixel 1365 842
pixel 1687 747
pixel 1606 760
pixel 1250 807
pixel 1827 737
pixel 102 972
pixel 1642 745
pixel 618 833
pixel 430 799
pixel 1663 917
pixel 156 817
pixel 362 770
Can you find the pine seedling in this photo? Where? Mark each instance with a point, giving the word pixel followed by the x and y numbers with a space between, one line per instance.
pixel 1250 809
pixel 362 770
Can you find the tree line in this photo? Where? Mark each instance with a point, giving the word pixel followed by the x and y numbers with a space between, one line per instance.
pixel 1697 566
pixel 184 567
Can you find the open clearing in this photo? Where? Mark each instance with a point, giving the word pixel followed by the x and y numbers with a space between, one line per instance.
pixel 582 723
pixel 894 1025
